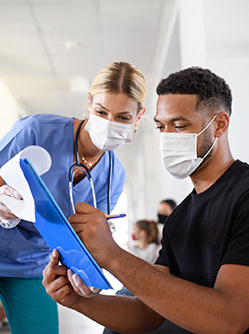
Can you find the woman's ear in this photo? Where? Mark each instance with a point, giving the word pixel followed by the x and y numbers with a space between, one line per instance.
pixel 89 100
pixel 140 114
pixel 222 122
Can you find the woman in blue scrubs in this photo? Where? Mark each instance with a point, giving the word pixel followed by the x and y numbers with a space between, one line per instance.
pixel 115 106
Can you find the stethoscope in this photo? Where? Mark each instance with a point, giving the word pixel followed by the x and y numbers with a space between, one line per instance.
pixel 87 172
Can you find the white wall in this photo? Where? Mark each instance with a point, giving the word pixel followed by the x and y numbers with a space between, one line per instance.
pixel 206 33
pixel 11 111
pixel 209 33
pixel 227 36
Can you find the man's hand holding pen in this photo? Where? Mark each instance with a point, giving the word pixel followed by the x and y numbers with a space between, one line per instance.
pixel 92 227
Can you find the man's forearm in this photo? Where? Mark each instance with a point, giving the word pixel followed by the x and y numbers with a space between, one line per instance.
pixel 198 309
pixel 119 313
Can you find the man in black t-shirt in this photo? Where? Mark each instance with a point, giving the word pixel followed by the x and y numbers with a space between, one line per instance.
pixel 200 281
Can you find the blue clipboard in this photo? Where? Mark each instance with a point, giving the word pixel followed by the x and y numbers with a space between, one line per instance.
pixel 58 233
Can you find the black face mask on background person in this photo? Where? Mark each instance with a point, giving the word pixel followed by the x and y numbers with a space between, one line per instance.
pixel 161 218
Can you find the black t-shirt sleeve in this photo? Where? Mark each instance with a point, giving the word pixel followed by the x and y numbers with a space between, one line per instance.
pixel 238 246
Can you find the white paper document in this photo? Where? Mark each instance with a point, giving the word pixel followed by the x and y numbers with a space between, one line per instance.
pixel 12 175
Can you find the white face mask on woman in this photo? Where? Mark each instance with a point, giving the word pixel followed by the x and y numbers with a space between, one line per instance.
pixel 179 152
pixel 108 135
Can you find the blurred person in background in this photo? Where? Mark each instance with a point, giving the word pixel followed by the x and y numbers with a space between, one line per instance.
pixel 165 208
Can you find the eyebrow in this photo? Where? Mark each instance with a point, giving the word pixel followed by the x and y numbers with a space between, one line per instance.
pixel 100 105
pixel 175 119
pixel 122 112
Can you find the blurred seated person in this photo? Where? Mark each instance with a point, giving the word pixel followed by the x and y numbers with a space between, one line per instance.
pixel 165 208
pixel 145 236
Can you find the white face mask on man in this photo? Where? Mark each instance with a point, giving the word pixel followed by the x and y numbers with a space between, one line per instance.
pixel 179 152
pixel 108 135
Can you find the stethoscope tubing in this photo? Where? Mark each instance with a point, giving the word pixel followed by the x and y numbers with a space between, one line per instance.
pixel 87 172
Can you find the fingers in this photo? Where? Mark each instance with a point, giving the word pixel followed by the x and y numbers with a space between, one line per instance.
pixel 85 208
pixel 78 285
pixel 9 191
pixel 53 264
pixel 9 222
pixel 56 282
pixel 54 257
pixel 53 270
pixel 5 213
pixel 92 228
pixel 85 213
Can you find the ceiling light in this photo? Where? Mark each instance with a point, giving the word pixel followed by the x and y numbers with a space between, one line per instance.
pixel 71 45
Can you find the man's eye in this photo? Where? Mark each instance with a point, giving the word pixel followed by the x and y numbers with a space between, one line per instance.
pixel 180 126
pixel 160 127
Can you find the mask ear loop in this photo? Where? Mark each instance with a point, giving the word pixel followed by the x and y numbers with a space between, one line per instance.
pixel 139 116
pixel 207 125
pixel 215 140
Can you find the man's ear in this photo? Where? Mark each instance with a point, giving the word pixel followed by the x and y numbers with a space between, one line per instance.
pixel 222 122
pixel 140 114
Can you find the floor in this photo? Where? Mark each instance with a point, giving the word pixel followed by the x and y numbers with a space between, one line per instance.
pixel 71 322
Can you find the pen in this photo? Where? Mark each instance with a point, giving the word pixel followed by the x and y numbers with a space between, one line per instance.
pixel 119 215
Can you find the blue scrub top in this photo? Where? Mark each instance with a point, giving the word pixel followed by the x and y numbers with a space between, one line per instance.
pixel 23 252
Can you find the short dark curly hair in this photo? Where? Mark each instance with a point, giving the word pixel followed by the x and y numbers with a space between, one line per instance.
pixel 212 90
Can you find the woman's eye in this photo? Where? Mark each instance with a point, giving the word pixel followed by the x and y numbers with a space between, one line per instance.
pixel 125 118
pixel 100 112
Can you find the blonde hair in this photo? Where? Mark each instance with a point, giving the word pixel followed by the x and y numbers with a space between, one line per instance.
pixel 121 77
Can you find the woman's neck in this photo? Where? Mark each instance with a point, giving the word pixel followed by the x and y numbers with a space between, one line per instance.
pixel 88 153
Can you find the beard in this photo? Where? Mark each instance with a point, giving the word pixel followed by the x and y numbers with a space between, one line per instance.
pixel 205 146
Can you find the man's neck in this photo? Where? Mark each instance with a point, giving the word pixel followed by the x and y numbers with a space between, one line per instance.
pixel 205 177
